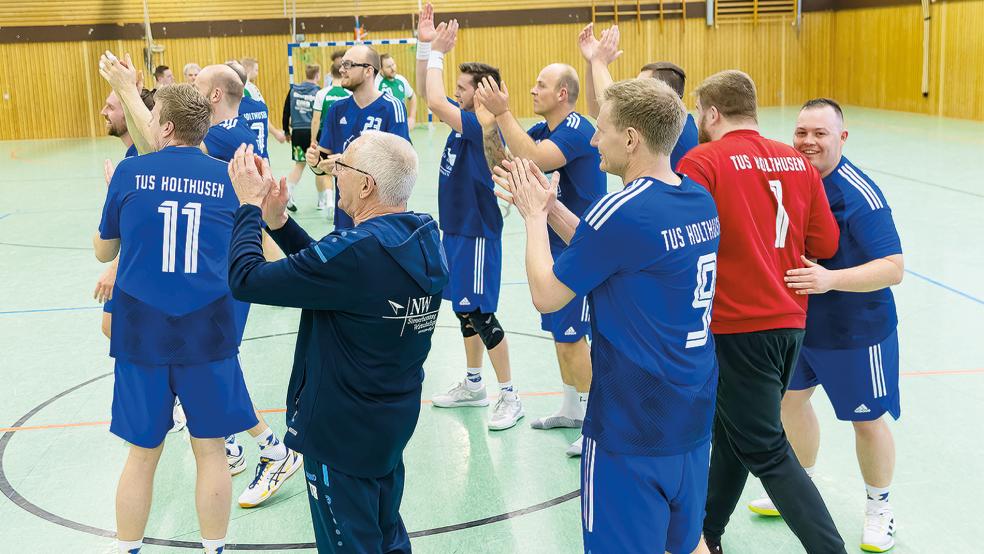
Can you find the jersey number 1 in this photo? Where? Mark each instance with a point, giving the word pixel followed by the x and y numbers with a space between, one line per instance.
pixel 703 297
pixel 194 212
pixel 782 218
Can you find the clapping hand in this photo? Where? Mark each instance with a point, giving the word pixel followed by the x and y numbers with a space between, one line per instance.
pixel 587 42
pixel 120 74
pixel 425 25
pixel 526 187
pixel 446 35
pixel 246 170
pixel 495 99
pixel 606 50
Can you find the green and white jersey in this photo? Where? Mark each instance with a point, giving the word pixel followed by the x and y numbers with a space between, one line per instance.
pixel 398 85
pixel 252 91
pixel 328 96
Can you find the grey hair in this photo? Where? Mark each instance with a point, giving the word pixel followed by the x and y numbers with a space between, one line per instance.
pixel 391 161
pixel 188 66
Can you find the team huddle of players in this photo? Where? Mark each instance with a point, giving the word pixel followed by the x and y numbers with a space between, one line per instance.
pixel 678 301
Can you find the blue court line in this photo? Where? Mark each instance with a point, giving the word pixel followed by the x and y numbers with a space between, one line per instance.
pixel 947 287
pixel 3 215
pixel 50 310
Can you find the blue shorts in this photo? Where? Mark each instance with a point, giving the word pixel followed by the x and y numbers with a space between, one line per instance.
pixel 475 264
pixel 861 383
pixel 642 503
pixel 213 395
pixel 356 514
pixel 569 323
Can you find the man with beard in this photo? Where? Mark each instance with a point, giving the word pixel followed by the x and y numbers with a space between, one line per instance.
pixel 773 210
pixel 398 86
pixel 368 109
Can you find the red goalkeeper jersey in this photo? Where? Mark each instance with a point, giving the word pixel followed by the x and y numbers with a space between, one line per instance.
pixel 773 208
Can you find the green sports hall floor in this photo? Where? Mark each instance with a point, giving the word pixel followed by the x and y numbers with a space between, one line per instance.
pixel 468 489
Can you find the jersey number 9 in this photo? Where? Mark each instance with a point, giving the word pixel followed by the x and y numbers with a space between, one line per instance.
pixel 703 297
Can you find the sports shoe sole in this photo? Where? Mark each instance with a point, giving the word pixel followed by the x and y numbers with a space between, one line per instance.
pixel 764 511
pixel 873 548
pixel 556 422
pixel 510 426
pixel 300 462
pixel 464 404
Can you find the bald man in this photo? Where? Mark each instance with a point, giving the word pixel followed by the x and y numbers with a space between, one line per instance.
pixel 368 109
pixel 562 143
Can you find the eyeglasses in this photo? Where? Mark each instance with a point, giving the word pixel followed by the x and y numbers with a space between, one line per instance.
pixel 339 163
pixel 348 64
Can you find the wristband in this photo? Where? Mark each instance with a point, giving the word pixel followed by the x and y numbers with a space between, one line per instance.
pixel 423 50
pixel 436 60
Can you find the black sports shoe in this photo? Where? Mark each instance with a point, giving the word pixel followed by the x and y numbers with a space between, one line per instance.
pixel 291 207
pixel 714 545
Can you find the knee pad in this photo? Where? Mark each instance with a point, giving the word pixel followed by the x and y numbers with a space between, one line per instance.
pixel 488 329
pixel 467 330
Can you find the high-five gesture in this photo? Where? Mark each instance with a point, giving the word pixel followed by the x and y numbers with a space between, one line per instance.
pixel 606 51
pixel 425 25
pixel 118 73
pixel 445 37
pixel 494 99
pixel 587 42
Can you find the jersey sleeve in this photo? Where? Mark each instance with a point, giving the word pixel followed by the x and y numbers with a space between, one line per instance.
pixel 875 232
pixel 329 123
pixel 693 166
pixel 319 99
pixel 406 86
pixel 109 225
pixel 822 232
pixel 572 143
pixel 471 129
pixel 397 121
pixel 597 251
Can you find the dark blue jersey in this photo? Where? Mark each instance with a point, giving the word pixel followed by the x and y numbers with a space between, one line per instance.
pixel 300 106
pixel 257 117
pixel 646 256
pixel 843 320
pixel 345 121
pixel 172 212
pixel 688 139
pixel 225 137
pixel 465 197
pixel 581 180
pixel 131 151
pixel 370 298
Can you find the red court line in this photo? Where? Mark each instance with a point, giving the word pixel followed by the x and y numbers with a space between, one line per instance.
pixel 266 411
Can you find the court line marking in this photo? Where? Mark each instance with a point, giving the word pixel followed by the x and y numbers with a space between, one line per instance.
pixel 50 310
pixel 921 182
pixel 944 286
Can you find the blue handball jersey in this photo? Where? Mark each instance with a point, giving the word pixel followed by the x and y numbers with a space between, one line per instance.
pixel 172 212
pixel 345 121
pixel 581 179
pixel 225 137
pixel 256 115
pixel 131 151
pixel 843 320
pixel 646 257
pixel 465 194
pixel 688 139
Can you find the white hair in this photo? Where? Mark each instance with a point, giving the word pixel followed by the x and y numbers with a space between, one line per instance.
pixel 391 161
pixel 189 66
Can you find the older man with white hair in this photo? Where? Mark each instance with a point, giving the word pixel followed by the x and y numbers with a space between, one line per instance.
pixel 370 297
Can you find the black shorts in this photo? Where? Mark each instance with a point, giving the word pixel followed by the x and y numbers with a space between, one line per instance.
pixel 300 141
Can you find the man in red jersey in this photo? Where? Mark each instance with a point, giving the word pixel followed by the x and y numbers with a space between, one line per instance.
pixel 773 209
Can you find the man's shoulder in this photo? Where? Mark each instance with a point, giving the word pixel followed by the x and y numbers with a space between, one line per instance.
pixel 339 241
pixel 578 122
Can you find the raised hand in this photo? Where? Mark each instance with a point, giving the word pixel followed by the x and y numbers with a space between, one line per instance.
pixel 529 195
pixel 607 49
pixel 249 184
pixel 587 42
pixel 425 24
pixel 445 37
pixel 494 99
pixel 274 204
pixel 485 117
pixel 120 74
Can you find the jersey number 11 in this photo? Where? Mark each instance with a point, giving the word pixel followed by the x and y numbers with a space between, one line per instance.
pixel 194 212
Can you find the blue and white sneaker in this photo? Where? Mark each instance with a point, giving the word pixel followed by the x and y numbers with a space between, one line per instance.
pixel 235 455
pixel 270 476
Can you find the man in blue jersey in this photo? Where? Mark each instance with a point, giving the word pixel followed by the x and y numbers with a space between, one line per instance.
pixel 851 346
pixel 472 226
pixel 646 256
pixel 174 326
pixel 223 89
pixel 297 113
pixel 254 112
pixel 561 143
pixel 370 298
pixel 368 109
pixel 601 53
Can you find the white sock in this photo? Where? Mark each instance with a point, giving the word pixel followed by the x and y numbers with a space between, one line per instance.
pixel 231 443
pixel 570 406
pixel 290 189
pixel 213 546
pixel 129 547
pixel 506 386
pixel 876 494
pixel 323 196
pixel 810 471
pixel 473 381
pixel 270 445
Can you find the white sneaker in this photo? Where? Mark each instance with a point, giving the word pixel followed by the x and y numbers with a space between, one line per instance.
pixel 235 455
pixel 574 450
pixel 178 415
pixel 764 507
pixel 291 207
pixel 879 527
pixel 270 475
pixel 508 410
pixel 557 421
pixel 461 396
